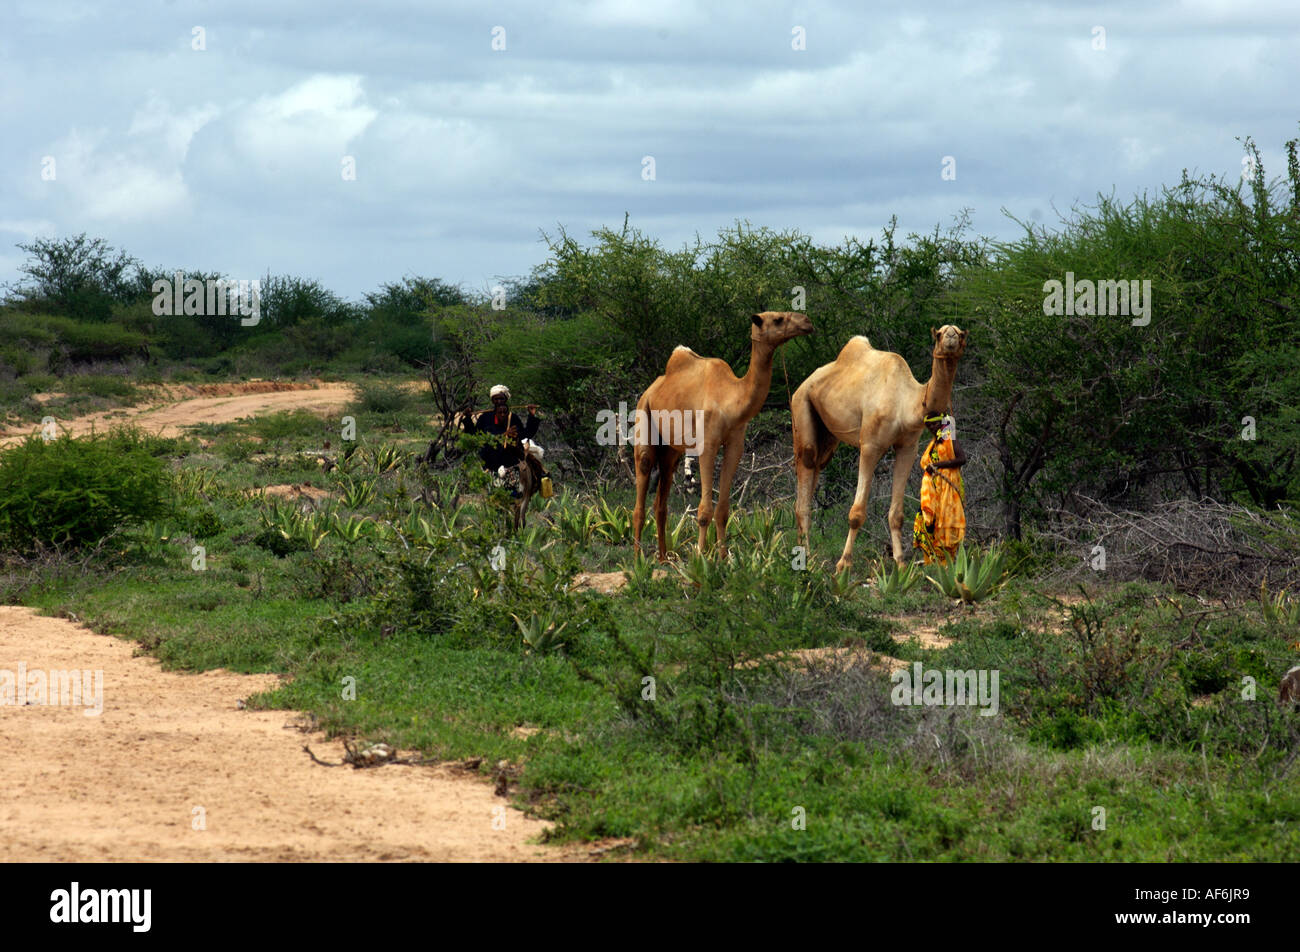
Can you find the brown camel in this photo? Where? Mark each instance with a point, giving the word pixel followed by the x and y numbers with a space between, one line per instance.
pixel 701 406
pixel 868 398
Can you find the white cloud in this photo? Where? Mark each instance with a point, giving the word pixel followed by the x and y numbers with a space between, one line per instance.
pixel 322 113
pixel 102 181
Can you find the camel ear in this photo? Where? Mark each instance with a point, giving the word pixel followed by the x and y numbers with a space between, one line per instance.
pixel 757 320
pixel 934 333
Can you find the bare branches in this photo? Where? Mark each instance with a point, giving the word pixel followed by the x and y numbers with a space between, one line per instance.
pixel 453 384
pixel 1195 546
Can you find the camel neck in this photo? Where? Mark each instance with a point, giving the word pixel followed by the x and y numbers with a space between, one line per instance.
pixel 758 379
pixel 938 391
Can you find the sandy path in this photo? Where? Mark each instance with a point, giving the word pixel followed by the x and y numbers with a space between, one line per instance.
pixel 121 786
pixel 241 400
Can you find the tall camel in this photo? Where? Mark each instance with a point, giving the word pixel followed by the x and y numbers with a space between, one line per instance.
pixel 868 398
pixel 714 406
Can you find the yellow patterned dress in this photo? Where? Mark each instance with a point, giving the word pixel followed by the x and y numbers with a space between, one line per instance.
pixel 943 498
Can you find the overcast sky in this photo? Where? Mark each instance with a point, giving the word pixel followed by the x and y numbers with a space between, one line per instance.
pixel 232 157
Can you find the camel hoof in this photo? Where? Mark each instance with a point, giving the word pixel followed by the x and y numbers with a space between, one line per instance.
pixel 841 565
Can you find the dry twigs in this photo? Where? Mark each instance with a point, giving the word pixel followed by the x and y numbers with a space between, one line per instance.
pixel 1192 545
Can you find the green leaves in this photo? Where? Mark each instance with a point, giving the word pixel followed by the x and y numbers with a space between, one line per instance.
pixel 894 579
pixel 1279 609
pixel 970 577
pixel 541 633
pixel 75 492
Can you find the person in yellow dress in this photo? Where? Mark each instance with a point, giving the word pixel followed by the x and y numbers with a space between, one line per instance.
pixel 941 524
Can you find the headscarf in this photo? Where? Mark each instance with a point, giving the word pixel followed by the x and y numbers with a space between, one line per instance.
pixel 500 390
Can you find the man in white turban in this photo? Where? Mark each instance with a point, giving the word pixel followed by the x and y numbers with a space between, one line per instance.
pixel 499 421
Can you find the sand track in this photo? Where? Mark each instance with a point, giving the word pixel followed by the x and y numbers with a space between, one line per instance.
pixel 188 405
pixel 123 785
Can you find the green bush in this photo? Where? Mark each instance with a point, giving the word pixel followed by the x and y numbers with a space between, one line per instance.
pixel 74 492
pixel 99 386
pixel 379 397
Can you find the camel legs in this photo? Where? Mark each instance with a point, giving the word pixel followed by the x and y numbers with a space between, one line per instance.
pixel 708 452
pixel 667 469
pixel 643 462
pixel 527 486
pixel 730 461
pixel 904 456
pixel 868 457
pixel 813 448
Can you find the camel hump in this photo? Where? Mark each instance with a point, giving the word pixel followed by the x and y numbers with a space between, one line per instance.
pixel 682 357
pixel 856 346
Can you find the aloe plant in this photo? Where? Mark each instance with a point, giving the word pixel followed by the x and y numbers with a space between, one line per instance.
pixel 615 525
pixel 541 635
pixel 295 525
pixel 385 458
pixel 765 551
pixel 531 536
pixel 757 526
pixel 157 531
pixel 357 493
pixel 192 483
pixel 351 530
pixel 1279 609
pixel 704 573
pixel 578 526
pixel 894 579
pixel 842 583
pixel 971 578
pixel 640 571
pixel 675 535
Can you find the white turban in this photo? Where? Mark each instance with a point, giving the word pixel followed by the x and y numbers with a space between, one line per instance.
pixel 500 390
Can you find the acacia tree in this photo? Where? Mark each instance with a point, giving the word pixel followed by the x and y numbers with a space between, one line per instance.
pixel 78 277
pixel 1092 402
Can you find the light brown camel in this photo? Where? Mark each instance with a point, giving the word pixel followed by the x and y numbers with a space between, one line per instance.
pixel 868 398
pixel 700 405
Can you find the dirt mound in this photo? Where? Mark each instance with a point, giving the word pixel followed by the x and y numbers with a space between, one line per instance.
pixel 804 657
pixel 294 492
pixel 187 390
pixel 927 635
pixel 171 752
pixel 607 583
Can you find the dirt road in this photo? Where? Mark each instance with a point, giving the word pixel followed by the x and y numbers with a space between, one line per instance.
pixel 187 405
pixel 169 749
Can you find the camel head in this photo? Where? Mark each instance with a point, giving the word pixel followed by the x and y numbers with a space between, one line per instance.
pixel 777 327
pixel 949 341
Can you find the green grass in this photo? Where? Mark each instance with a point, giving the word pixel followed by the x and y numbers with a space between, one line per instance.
pixel 1110 713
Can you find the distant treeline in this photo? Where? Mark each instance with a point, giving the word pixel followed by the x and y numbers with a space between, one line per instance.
pixel 1085 378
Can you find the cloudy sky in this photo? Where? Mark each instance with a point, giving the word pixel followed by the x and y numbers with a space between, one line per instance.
pixel 223 136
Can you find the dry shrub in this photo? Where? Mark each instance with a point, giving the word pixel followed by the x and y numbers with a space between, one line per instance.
pixel 1195 546
pixel 848 699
